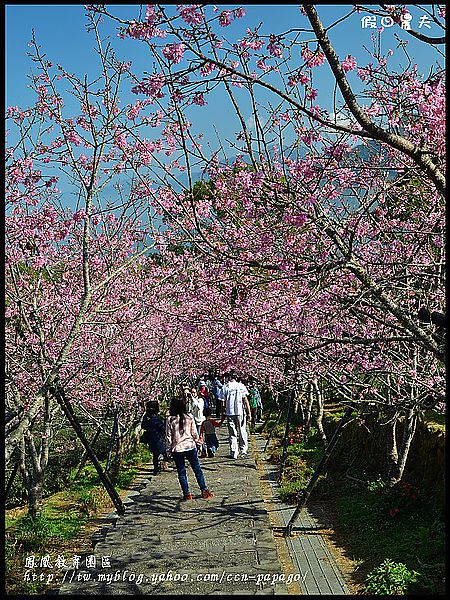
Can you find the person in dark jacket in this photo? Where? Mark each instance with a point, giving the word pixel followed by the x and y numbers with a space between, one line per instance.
pixel 154 434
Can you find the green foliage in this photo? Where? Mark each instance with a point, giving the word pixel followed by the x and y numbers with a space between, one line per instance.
pixel 410 198
pixel 90 500
pixel 301 461
pixel 177 249
pixel 15 583
pixel 376 484
pixel 290 489
pixel 278 431
pixel 31 534
pixel 377 524
pixel 401 522
pixel 125 477
pixel 391 578
pixel 86 478
pixel 62 517
pixel 203 190
pixel 435 419
pixel 141 453
pixel 59 467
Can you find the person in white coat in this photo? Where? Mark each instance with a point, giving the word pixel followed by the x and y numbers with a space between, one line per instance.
pixel 237 411
pixel 195 406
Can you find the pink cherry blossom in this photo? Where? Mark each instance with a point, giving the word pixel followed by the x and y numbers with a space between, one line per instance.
pixel 349 63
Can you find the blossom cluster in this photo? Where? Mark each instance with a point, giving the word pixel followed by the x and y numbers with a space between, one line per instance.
pixel 174 52
pixel 151 86
pixel 313 59
pixel 296 435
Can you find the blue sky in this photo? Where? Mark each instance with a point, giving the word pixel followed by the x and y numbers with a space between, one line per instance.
pixel 61 32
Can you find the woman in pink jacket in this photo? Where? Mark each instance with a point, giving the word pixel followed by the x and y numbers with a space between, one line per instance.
pixel 182 441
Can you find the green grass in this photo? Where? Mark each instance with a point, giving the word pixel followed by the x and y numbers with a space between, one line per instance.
pixel 63 516
pixel 88 476
pixel 32 534
pixel 301 460
pixel 435 420
pixel 413 535
pixel 414 531
pixel 26 536
pixel 289 489
pixel 404 525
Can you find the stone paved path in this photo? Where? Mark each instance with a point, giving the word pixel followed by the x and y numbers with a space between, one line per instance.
pixel 311 558
pixel 164 546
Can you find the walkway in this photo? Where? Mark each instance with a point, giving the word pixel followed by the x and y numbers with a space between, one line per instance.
pixel 224 545
pixel 164 546
pixel 309 553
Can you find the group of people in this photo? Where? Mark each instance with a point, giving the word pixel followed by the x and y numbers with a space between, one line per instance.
pixel 189 430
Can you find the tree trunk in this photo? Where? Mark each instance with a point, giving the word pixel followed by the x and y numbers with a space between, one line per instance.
pixel 133 441
pixel 35 496
pixel 116 463
pixel 34 475
pixel 408 434
pixel 309 407
pixel 392 451
pixel 114 435
pixel 319 418
pixel 298 408
pixel 19 424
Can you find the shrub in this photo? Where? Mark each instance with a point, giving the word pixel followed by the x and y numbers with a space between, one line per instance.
pixel 289 490
pixel 390 578
pixel 376 485
pixel 90 500
pixel 125 478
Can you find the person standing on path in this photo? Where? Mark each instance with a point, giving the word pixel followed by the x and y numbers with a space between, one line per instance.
pixel 195 406
pixel 254 401
pixel 154 435
pixel 208 433
pixel 182 440
pixel 217 392
pixel 237 410
pixel 204 393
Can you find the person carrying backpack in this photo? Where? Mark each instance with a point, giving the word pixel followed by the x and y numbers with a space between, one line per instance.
pixel 254 399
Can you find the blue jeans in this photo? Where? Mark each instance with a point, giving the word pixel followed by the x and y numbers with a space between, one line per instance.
pixel 212 443
pixel 192 457
pixel 157 449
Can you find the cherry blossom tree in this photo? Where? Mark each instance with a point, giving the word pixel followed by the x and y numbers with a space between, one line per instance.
pixel 346 219
pixel 73 273
pixel 302 254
